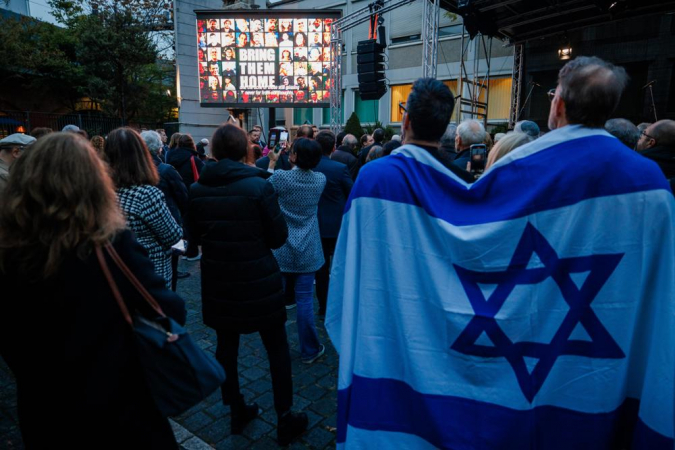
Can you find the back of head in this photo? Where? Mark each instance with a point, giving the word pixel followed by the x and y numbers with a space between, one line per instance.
pixel 396 137
pixel 305 131
pixel 326 140
pixel 307 153
pixel 643 126
pixel 528 127
pixel 378 135
pixel 98 143
pixel 375 152
pixel 129 159
pixel 173 142
pixel 350 142
pixel 186 141
pixel 663 133
pixel 471 132
pixel 229 142
pixel 364 139
pixel 37 133
pixel 591 89
pixel 448 138
pixel 507 144
pixel 59 198
pixel 390 147
pixel 338 140
pixel 71 128
pixel 623 130
pixel 153 140
pixel 430 106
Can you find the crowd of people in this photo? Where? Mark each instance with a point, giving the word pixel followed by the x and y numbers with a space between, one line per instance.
pixel 263 223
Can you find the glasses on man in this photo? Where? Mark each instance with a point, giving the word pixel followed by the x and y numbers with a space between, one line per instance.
pixel 642 133
pixel 551 94
pixel 402 108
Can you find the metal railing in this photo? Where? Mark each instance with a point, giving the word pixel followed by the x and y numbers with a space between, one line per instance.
pixel 94 124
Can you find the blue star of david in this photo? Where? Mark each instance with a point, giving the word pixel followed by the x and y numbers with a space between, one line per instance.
pixel 601 345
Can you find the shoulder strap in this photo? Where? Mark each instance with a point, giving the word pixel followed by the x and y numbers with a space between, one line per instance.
pixel 195 173
pixel 130 276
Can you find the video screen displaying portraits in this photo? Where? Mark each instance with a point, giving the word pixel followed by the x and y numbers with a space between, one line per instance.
pixel 273 58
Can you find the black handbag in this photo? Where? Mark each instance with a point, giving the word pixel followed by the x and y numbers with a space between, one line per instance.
pixel 179 374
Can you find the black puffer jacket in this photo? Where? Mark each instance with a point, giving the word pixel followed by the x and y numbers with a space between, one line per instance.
pixel 234 214
pixel 179 158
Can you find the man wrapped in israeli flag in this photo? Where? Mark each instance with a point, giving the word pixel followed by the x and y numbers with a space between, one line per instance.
pixel 532 309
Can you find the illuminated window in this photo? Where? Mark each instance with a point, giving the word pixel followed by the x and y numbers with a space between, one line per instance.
pixel 400 93
pixel 367 110
pixel 499 103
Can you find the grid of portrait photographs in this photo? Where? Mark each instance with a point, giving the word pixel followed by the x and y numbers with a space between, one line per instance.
pixel 264 60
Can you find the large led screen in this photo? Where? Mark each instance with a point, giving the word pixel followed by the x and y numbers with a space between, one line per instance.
pixel 269 58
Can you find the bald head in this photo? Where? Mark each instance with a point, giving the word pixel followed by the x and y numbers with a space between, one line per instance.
pixel 663 133
pixel 350 141
pixel 590 89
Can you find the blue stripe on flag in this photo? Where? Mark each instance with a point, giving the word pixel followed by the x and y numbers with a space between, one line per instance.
pixel 561 175
pixel 461 423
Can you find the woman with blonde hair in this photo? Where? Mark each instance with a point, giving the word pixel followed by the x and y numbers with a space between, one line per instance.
pixel 135 177
pixel 505 145
pixel 61 331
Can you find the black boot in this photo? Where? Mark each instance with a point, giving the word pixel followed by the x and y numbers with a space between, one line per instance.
pixel 291 425
pixel 243 415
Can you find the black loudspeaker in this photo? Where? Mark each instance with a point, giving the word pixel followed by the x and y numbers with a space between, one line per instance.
pixel 370 69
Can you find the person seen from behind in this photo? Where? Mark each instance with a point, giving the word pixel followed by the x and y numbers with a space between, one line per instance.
pixel 301 256
pixel 58 311
pixel 235 215
pixel 148 216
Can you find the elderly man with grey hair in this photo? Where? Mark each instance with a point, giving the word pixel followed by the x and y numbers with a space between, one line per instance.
pixel 174 190
pixel 469 132
pixel 447 141
pixel 624 130
pixel 345 154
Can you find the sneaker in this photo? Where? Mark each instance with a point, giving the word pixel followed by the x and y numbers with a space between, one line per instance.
pixel 315 357
pixel 248 413
pixel 194 258
pixel 291 425
pixel 182 274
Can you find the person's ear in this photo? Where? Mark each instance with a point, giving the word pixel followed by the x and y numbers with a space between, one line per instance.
pixel 16 152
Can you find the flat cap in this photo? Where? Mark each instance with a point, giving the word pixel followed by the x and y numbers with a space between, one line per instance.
pixel 17 140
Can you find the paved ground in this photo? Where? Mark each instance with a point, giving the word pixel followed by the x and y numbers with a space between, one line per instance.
pixel 207 425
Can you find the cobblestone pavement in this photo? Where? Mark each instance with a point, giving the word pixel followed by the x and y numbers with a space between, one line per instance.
pixel 207 425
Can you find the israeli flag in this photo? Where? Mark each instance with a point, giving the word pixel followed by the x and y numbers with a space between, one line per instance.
pixel 534 309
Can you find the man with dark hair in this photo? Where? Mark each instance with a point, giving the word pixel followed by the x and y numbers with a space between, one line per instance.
pixel 254 135
pixel 624 130
pixel 378 140
pixel 657 143
pixel 448 141
pixel 345 154
pixel 520 295
pixel 305 131
pixel 338 139
pixel 331 205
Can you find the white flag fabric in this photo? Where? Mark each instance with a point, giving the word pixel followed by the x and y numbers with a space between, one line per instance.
pixel 533 309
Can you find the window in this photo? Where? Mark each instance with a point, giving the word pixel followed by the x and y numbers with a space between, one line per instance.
pixel 302 115
pixel 367 110
pixel 499 103
pixel 451 30
pixel 400 94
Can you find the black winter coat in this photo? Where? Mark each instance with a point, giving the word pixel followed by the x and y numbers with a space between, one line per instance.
pixel 74 356
pixel 234 214
pixel 179 158
pixel 174 190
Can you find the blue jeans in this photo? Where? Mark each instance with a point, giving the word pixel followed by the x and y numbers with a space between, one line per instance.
pixel 309 341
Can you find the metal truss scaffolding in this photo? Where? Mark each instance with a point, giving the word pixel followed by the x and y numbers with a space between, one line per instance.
pixel 430 37
pixel 363 15
pixel 517 84
pixel 474 90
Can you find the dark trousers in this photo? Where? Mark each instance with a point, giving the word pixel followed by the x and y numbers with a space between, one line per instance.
pixel 174 270
pixel 323 273
pixel 276 343
pixel 289 287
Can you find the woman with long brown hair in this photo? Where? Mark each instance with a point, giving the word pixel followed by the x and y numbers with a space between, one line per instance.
pixel 135 177
pixel 61 330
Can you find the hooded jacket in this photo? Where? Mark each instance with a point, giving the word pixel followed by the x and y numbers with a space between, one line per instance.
pixel 179 158
pixel 234 214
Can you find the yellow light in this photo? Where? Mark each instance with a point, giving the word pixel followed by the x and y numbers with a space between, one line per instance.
pixel 565 53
